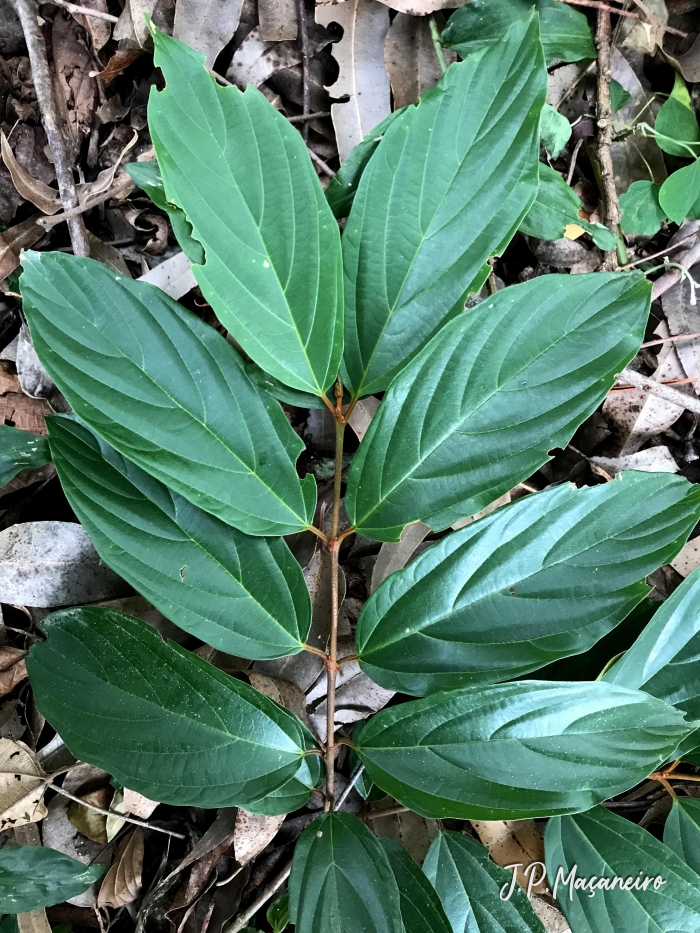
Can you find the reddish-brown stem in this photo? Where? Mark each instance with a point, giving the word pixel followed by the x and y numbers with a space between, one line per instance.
pixel 598 5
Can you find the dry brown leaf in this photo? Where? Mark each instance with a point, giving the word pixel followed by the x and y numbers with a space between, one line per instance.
pixel 99 30
pixel 22 785
pixel 122 883
pixel 206 25
pixel 414 832
pixel 279 20
pixel 119 62
pixel 31 189
pixel 138 805
pixel 12 241
pixel 253 833
pixel 511 842
pixel 282 692
pixel 410 58
pixel 683 317
pixel 91 824
pixel 77 91
pixel 12 668
pixel 688 559
pixel 362 75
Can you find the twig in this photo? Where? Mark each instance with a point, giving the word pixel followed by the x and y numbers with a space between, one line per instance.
pixel 574 157
pixel 119 188
pixel 597 5
pixel 655 343
pixel 83 10
pixel 127 819
pixel 353 780
pixel 41 76
pixel 663 382
pixel 605 133
pixel 662 252
pixel 321 164
pixel 687 260
pixel 437 43
pixel 242 919
pixel 305 65
pixel 309 116
pixel 390 811
pixel 656 388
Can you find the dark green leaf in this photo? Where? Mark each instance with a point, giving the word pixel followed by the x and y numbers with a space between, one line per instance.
pixel 555 208
pixel 678 196
pixel 566 34
pixel 601 845
pixel 278 914
pixel 340 193
pixel 555 130
pixel 641 211
pixel 159 719
pixel 147 176
pixel 470 886
pixel 676 120
pixel 243 595
pixel 421 910
pixel 619 96
pixel 682 831
pixel 279 390
pixel 446 188
pixel 341 880
pixel 167 391
pixel 478 410
pixel 538 580
pixel 32 877
pixel 242 175
pixel 296 792
pixel 519 750
pixel 19 450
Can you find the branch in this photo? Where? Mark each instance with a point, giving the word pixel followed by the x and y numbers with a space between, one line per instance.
pixel 41 76
pixel 597 5
pixel 605 133
pixel 656 388
pixel 242 919
pixel 84 10
pixel 127 819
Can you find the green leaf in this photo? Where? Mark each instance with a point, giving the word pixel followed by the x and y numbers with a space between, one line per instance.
pixel 619 96
pixel 340 193
pixel 278 914
pixel 478 410
pixel 557 206
pixel 158 718
pixel 566 34
pixel 276 389
pixel 601 845
pixel 167 391
pixel 243 595
pixel 665 659
pixel 341 880
pixel 446 188
pixel 470 887
pixel 682 831
pixel 32 877
pixel 19 450
pixel 641 211
pixel 676 120
pixel 242 175
pixel 421 910
pixel 147 176
pixel 297 790
pixel 519 750
pixel 555 130
pixel 538 580
pixel 678 196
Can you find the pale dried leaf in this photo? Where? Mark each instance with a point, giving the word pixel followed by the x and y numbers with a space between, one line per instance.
pixel 122 883
pixel 683 317
pixel 99 30
pixel 633 156
pixel 640 35
pixel 253 833
pixel 278 20
pixel 552 918
pixel 48 564
pixel 282 692
pixel 138 805
pixel 394 556
pixel 361 416
pixel 115 819
pixel 356 698
pixel 22 785
pixel 422 7
pixel 35 921
pixel 256 60
pixel 60 834
pixel 31 189
pixel 513 842
pixel 688 559
pixel 463 522
pixel 22 236
pixel 12 668
pixel 174 276
pixel 410 58
pixel 651 460
pixel 362 74
pixel 207 25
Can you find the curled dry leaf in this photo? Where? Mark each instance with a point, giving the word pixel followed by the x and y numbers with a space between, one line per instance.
pixel 253 833
pixel 31 189
pixel 362 75
pixel 22 785
pixel 122 883
pixel 12 668
pixel 651 460
pixel 91 824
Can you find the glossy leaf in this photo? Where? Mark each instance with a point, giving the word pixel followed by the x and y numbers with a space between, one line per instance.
pixel 341 880
pixel 678 196
pixel 665 659
pixel 519 750
pixel 243 595
pixel 555 208
pixel 147 176
pixel 541 579
pixel 297 790
pixel 602 845
pixel 446 188
pixel 682 831
pixel 242 175
pixel 676 123
pixel 19 450
pixel 555 130
pixel 478 410
pixel 469 885
pixel 159 719
pixel 641 211
pixel 566 34
pixel 32 877
pixel 167 391
pixel 421 910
